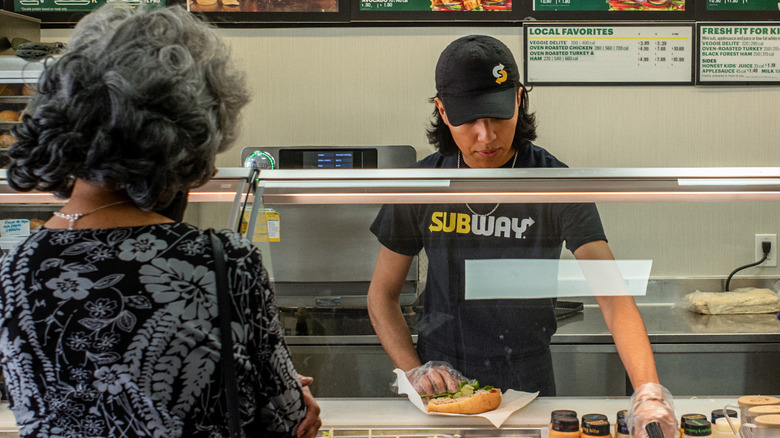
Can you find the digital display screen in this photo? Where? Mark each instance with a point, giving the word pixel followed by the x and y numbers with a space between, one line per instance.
pixel 328 160
pixel 331 158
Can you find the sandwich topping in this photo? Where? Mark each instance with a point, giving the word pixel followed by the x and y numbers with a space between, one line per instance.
pixel 469 399
pixel 465 389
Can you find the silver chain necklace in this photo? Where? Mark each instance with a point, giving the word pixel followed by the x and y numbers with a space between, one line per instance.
pixel 72 218
pixel 494 208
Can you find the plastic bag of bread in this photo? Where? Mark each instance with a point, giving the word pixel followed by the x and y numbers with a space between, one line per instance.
pixel 740 301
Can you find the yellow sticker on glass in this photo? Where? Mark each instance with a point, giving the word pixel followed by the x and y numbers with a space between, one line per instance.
pixel 267 227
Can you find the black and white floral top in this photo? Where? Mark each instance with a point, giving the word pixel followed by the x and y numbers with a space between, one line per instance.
pixel 114 333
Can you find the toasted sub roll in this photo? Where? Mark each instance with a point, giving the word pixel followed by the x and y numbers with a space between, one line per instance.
pixel 477 403
pixel 6 140
pixel 9 116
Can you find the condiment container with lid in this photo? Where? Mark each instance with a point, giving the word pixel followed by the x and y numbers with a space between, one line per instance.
pixel 720 413
pixel 562 413
pixel 564 426
pixel 697 428
pixel 621 426
pixel 593 417
pixel 755 411
pixel 686 417
pixel 764 426
pixel 596 425
pixel 748 401
pixel 722 429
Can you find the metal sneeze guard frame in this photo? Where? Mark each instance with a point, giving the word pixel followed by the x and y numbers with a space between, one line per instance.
pixel 442 186
pixel 549 185
pixel 558 185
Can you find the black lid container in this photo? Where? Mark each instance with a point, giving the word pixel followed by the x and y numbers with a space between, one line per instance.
pixel 697 427
pixel 595 424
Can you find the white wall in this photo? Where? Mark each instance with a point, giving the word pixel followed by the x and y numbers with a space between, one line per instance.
pixel 341 86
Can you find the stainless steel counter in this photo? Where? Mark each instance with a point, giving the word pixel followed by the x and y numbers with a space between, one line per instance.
pixel 695 354
pixel 665 324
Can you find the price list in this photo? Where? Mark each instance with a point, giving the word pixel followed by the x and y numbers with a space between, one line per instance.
pixel 742 5
pixel 609 54
pixel 739 53
pixel 25 6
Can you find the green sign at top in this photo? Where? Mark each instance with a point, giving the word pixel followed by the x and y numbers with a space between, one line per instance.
pixel 436 5
pixel 609 5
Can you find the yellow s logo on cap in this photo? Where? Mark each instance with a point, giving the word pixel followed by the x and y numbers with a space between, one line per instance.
pixel 499 73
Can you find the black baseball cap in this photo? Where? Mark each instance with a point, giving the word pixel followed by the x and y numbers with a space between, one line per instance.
pixel 477 77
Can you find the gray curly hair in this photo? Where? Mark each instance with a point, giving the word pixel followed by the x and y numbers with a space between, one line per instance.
pixel 142 99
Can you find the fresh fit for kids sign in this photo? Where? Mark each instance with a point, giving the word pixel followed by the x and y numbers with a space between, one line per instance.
pixel 739 53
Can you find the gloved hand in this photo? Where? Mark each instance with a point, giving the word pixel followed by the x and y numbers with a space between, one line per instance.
pixel 434 377
pixel 651 402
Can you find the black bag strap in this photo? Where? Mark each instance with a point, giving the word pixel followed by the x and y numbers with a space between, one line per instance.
pixel 224 307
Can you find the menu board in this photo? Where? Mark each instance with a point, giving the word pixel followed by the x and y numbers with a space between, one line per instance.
pixel 269 11
pixel 609 5
pixel 743 5
pixel 436 10
pixel 733 53
pixel 608 53
pixel 27 6
pixel 283 7
pixel 436 5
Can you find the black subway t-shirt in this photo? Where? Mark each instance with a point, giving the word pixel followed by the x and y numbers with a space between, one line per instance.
pixel 480 334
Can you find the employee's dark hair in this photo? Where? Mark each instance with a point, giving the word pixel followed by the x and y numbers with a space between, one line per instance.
pixel 440 137
pixel 142 99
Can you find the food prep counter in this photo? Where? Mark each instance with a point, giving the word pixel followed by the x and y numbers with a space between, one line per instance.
pixel 380 414
pixel 372 416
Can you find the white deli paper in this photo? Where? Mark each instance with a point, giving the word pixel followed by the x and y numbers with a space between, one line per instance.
pixel 511 401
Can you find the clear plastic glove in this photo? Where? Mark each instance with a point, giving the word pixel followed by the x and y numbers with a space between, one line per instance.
pixel 651 402
pixel 433 378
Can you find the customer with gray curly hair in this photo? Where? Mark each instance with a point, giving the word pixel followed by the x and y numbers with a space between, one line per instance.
pixel 108 314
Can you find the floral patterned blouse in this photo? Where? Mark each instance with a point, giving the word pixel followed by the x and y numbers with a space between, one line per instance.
pixel 114 333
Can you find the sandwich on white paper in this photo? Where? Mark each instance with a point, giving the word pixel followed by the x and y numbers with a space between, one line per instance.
pixel 469 399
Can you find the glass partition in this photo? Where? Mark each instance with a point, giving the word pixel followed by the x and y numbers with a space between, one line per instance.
pixel 672 232
pixel 688 228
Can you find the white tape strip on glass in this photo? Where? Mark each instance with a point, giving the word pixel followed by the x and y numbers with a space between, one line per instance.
pixel 287 184
pixel 728 181
pixel 491 279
